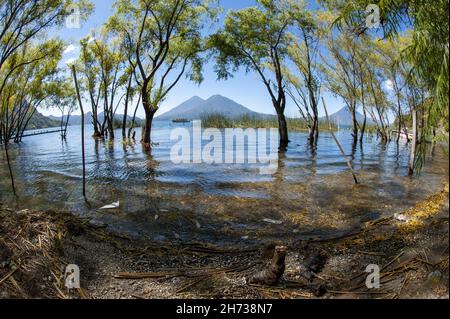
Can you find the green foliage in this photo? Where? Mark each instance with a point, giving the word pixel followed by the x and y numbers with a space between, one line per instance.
pixel 250 39
pixel 428 52
pixel 162 38
pixel 221 121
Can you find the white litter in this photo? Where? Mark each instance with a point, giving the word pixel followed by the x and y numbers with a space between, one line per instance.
pixel 111 206
pixel 156 217
pixel 400 217
pixel 272 221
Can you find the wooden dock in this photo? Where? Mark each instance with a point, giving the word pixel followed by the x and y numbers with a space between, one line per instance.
pixel 39 132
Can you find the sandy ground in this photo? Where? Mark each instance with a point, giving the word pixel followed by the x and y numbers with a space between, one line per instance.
pixel 410 249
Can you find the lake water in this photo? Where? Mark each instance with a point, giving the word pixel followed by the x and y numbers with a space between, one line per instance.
pixel 310 195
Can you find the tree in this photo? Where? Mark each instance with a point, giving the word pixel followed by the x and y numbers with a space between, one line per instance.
pixel 342 73
pixel 90 72
pixel 256 39
pixel 389 52
pixel 166 41
pixel 64 99
pixel 26 83
pixel 23 20
pixel 25 89
pixel 110 62
pixel 304 86
pixel 427 54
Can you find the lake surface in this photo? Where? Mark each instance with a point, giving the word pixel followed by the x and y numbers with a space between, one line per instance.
pixel 310 195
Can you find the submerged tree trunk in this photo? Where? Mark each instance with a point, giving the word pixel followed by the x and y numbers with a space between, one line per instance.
pixel 125 112
pixel 354 122
pixel 11 175
pixel 314 131
pixel 149 113
pixel 133 120
pixel 283 130
pixel 412 159
pixel 147 129
pixel 349 164
pixel 74 73
pixel 363 128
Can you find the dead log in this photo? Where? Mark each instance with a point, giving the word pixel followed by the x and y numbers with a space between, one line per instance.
pixel 272 275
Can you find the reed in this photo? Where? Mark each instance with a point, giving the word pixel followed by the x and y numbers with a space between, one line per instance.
pixel 246 121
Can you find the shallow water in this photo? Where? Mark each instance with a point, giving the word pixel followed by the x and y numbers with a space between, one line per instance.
pixel 310 195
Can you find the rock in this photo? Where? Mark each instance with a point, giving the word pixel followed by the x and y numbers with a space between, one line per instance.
pixel 111 206
pixel 97 224
pixel 272 275
pixel 318 290
pixel 401 217
pixel 434 277
pixel 272 221
pixel 313 264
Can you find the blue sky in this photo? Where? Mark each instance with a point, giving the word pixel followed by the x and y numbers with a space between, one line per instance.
pixel 246 89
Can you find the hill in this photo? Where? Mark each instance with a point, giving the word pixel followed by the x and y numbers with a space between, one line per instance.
pixel 196 108
pixel 39 121
pixel 76 119
pixel 343 117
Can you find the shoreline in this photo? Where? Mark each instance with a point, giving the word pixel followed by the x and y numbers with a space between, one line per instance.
pixel 411 250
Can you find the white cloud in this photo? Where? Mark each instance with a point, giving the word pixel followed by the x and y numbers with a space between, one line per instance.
pixel 70 61
pixel 70 48
pixel 389 85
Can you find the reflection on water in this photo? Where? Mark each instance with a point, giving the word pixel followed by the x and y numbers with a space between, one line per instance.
pixel 311 192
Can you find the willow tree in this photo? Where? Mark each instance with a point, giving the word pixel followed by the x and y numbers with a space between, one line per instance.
pixel 26 83
pixel 167 44
pixel 342 73
pixel 25 89
pixel 62 97
pixel 24 20
pixel 91 81
pixel 304 82
pixel 427 54
pixel 111 63
pixel 389 52
pixel 256 38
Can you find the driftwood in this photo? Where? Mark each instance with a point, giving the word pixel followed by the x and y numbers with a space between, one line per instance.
pixel 272 275
pixel 349 164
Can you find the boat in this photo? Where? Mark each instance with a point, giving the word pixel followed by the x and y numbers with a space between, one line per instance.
pixel 180 121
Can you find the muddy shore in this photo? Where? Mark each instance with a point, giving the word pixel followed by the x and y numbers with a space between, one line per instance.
pixel 411 250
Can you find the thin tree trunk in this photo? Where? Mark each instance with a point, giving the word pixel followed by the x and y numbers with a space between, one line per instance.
pixel 133 120
pixel 11 175
pixel 66 125
pixel 363 128
pixel 349 164
pixel 82 128
pixel 412 159
pixel 355 122
pixel 125 113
